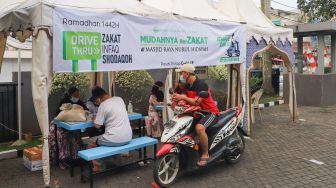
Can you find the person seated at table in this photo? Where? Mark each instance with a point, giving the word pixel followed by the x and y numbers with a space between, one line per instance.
pixel 93 109
pixel 72 96
pixel 113 115
pixel 92 106
pixel 153 121
pixel 63 142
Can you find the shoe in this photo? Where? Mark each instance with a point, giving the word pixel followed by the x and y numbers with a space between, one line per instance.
pixel 62 166
pixel 98 166
pixel 203 161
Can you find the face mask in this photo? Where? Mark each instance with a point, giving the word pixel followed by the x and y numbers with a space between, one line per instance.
pixel 184 81
pixel 74 99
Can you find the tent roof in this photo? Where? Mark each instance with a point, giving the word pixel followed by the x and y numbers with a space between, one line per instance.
pixel 192 9
pixel 125 6
pixel 14 13
pixel 258 25
pixel 22 14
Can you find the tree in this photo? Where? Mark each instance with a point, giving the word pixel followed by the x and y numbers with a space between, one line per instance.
pixel 267 58
pixel 133 79
pixel 267 73
pixel 321 10
pixel 218 72
pixel 134 86
pixel 61 82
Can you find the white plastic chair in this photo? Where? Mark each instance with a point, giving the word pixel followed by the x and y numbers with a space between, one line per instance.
pixel 255 103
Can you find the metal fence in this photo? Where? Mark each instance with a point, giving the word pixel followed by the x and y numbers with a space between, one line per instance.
pixel 8 111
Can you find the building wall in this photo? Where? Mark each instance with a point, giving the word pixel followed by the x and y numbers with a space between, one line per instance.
pixel 286 17
pixel 313 90
pixel 8 73
pixel 29 119
pixel 10 65
pixel 329 90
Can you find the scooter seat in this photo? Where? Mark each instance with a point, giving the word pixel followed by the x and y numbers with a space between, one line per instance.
pixel 223 118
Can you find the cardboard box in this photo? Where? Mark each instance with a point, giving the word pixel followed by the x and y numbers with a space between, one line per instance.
pixel 33 154
pixel 32 165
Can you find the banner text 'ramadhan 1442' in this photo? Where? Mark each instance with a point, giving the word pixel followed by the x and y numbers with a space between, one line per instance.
pixel 90 42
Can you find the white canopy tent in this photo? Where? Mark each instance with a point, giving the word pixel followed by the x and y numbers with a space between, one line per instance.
pixel 257 24
pixel 258 28
pixel 261 35
pixel 25 18
pixel 23 14
pixel 198 9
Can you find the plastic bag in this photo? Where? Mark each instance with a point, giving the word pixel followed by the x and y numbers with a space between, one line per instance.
pixel 71 113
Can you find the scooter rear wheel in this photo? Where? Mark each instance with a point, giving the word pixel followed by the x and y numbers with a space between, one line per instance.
pixel 166 169
pixel 236 158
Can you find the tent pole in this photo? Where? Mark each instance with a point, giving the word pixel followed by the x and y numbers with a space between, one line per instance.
pixel 294 106
pixel 19 95
pixel 114 84
pixel 230 88
pixel 109 83
pixel 19 141
pixel 95 78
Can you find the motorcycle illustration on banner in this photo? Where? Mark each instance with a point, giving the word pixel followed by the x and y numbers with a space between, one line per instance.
pixel 233 50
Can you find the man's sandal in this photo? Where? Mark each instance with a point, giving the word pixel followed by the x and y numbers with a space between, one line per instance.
pixel 203 161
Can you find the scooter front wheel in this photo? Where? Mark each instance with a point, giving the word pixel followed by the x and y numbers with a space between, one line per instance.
pixel 166 169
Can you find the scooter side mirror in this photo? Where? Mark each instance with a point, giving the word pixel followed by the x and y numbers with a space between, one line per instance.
pixel 203 94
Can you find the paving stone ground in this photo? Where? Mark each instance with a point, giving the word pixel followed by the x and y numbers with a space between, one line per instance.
pixel 277 154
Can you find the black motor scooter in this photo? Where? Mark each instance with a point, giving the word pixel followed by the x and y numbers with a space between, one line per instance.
pixel 180 149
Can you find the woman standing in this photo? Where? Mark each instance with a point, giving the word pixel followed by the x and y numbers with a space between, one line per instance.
pixel 153 121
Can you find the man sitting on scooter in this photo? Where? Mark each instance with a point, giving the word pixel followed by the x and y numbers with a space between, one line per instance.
pixel 193 85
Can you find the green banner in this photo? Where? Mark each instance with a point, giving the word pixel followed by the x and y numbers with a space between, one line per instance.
pixel 82 46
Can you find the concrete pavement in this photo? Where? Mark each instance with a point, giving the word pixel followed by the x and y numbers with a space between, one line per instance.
pixel 280 153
